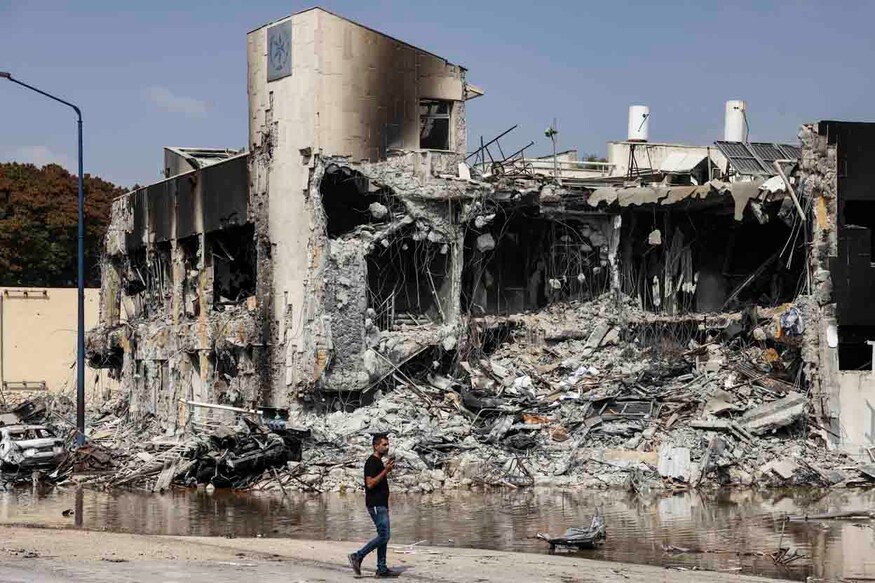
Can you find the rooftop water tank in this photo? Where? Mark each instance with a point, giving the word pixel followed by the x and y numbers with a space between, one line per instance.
pixel 735 123
pixel 639 119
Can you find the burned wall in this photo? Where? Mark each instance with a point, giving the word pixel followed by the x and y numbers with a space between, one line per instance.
pixel 518 259
pixel 181 319
pixel 853 267
pixel 701 258
pixel 371 87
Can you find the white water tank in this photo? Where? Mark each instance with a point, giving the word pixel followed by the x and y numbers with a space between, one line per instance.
pixel 735 122
pixel 639 119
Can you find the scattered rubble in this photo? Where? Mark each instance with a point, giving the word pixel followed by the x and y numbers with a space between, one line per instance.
pixel 224 457
pixel 617 398
pixel 590 394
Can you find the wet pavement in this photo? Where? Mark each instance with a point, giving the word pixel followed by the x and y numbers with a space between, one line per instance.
pixel 728 531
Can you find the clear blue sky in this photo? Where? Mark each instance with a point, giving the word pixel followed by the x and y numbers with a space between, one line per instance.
pixel 149 74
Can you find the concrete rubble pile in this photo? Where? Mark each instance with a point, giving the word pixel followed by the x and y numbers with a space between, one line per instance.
pixel 509 321
pixel 581 394
pixel 627 400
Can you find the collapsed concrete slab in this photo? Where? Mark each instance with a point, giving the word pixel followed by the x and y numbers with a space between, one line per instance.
pixel 775 415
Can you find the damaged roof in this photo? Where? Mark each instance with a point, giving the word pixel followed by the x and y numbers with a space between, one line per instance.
pixel 741 193
pixel 201 157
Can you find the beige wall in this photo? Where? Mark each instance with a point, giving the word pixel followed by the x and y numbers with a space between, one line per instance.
pixel 39 340
pixel 856 398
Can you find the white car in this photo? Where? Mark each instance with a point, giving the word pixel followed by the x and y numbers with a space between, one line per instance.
pixel 29 446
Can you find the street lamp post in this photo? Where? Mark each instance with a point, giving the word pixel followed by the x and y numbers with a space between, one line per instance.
pixel 80 271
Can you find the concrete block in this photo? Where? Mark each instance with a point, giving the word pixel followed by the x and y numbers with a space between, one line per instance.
pixel 784 468
pixel 776 414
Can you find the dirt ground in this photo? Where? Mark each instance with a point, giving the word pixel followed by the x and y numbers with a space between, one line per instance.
pixel 49 556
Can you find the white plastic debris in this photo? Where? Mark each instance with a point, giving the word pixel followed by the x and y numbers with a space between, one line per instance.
pixel 523 382
pixel 485 242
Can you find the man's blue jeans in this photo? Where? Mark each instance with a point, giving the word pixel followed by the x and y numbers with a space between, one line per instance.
pixel 380 516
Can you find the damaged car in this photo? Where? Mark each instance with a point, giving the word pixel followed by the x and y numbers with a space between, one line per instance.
pixel 29 447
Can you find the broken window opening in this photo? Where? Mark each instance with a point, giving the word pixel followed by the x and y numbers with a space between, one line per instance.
pixel 406 282
pixel 138 285
pixel 190 249
pixel 577 263
pixel 526 262
pixel 861 213
pixel 234 264
pixel 112 358
pixel 229 362
pixel 348 202
pixel 135 279
pixel 434 124
pixel 854 352
pixel 226 363
pixel 705 261
pixel 162 269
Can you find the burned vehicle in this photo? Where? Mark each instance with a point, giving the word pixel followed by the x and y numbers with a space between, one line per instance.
pixel 29 447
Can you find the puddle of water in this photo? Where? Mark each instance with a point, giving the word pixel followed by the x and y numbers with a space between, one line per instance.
pixel 724 524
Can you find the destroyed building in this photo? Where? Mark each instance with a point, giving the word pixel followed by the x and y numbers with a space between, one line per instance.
pixel 243 278
pixel 359 245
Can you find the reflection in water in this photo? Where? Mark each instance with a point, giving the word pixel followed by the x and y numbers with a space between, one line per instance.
pixel 732 529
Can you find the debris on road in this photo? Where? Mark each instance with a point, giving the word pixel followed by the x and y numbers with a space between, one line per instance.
pixel 579 538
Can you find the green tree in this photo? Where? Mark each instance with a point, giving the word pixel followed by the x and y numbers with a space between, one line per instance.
pixel 38 225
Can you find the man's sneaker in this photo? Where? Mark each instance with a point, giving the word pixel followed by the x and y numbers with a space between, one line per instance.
pixel 355 562
pixel 387 573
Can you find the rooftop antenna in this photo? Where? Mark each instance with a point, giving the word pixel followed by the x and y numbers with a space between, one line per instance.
pixel 551 132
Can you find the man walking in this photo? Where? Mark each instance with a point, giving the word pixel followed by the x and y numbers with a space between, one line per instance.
pixel 377 502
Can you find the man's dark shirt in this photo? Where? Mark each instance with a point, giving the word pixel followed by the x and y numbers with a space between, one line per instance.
pixel 379 494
